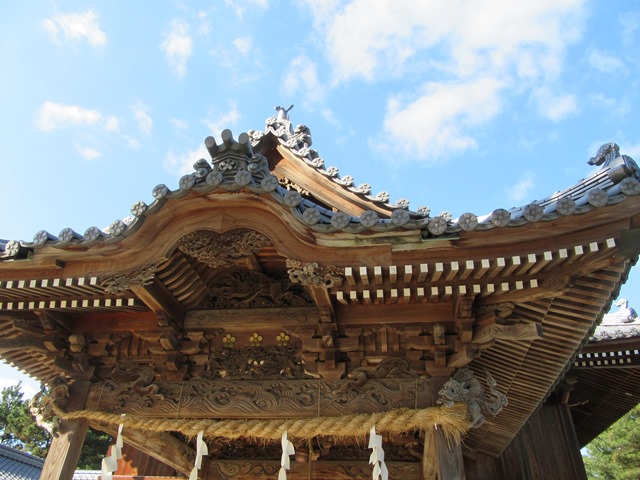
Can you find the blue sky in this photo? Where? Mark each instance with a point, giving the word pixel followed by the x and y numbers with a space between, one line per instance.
pixel 462 106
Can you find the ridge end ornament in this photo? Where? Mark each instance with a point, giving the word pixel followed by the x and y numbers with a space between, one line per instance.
pixel 314 275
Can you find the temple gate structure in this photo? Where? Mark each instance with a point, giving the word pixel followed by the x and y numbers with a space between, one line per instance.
pixel 268 294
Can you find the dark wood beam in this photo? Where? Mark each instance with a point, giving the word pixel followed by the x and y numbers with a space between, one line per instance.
pixel 159 299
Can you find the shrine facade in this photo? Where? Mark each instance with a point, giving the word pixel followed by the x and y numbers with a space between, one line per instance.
pixel 269 294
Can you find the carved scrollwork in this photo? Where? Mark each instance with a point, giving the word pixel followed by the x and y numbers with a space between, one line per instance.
pixel 221 250
pixel 131 385
pixel 465 387
pixel 248 469
pixel 314 275
pixel 239 288
pixel 118 284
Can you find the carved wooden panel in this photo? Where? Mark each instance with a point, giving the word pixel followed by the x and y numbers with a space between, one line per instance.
pixel 258 399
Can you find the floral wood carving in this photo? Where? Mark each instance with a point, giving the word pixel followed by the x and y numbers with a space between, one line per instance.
pixel 119 283
pixel 502 310
pixel 256 363
pixel 241 288
pixel 221 250
pixel 131 384
pixel 314 275
pixel 465 387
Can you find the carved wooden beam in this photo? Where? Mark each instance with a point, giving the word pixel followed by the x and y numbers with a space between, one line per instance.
pixel 161 446
pixel 251 318
pixel 23 343
pixel 519 332
pixel 262 399
pixel 342 470
pixel 416 313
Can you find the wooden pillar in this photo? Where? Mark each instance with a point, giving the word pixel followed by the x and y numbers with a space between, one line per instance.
pixel 441 460
pixel 64 452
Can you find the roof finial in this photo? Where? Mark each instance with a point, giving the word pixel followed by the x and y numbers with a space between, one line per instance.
pixel 283 113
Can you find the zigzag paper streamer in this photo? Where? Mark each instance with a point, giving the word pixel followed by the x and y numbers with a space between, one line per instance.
pixel 201 451
pixel 110 462
pixel 285 462
pixel 377 456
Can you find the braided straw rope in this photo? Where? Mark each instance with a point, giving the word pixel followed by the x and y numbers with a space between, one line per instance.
pixel 453 421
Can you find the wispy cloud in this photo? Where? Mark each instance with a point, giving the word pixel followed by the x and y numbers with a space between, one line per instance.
pixel 141 114
pixel 239 7
pixel 603 62
pixel 554 107
pixel 87 153
pixel 437 121
pixel 216 122
pixel 301 79
pixel 519 191
pixel 76 27
pixel 179 124
pixel 111 124
pixel 243 45
pixel 182 163
pixel 178 47
pixel 52 116
pixel 485 50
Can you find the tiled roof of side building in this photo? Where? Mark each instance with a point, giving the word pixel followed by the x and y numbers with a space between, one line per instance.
pixel 17 465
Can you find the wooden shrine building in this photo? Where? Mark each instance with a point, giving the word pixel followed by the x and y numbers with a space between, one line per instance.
pixel 267 293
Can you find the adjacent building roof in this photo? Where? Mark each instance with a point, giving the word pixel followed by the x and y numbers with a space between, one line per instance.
pixel 17 465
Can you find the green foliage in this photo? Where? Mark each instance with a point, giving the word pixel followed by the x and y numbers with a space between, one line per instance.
pixel 19 430
pixel 17 427
pixel 615 453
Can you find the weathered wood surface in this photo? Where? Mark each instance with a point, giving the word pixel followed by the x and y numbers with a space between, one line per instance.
pixel 163 447
pixel 263 470
pixel 262 399
pixel 64 451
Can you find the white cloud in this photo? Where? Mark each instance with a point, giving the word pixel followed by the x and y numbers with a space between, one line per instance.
pixel 519 191
pixel 182 164
pixel 76 27
pixel 631 150
pixel 302 79
pixel 141 112
pixel 243 45
pixel 477 53
pixel 367 42
pixel 87 153
pixel 217 122
pixel 178 47
pixel 552 106
pixel 52 116
pixel 111 124
pixel 239 7
pixel 603 62
pixel 437 121
pixel 179 124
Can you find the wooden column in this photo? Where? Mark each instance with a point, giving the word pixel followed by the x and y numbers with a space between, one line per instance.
pixel 64 452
